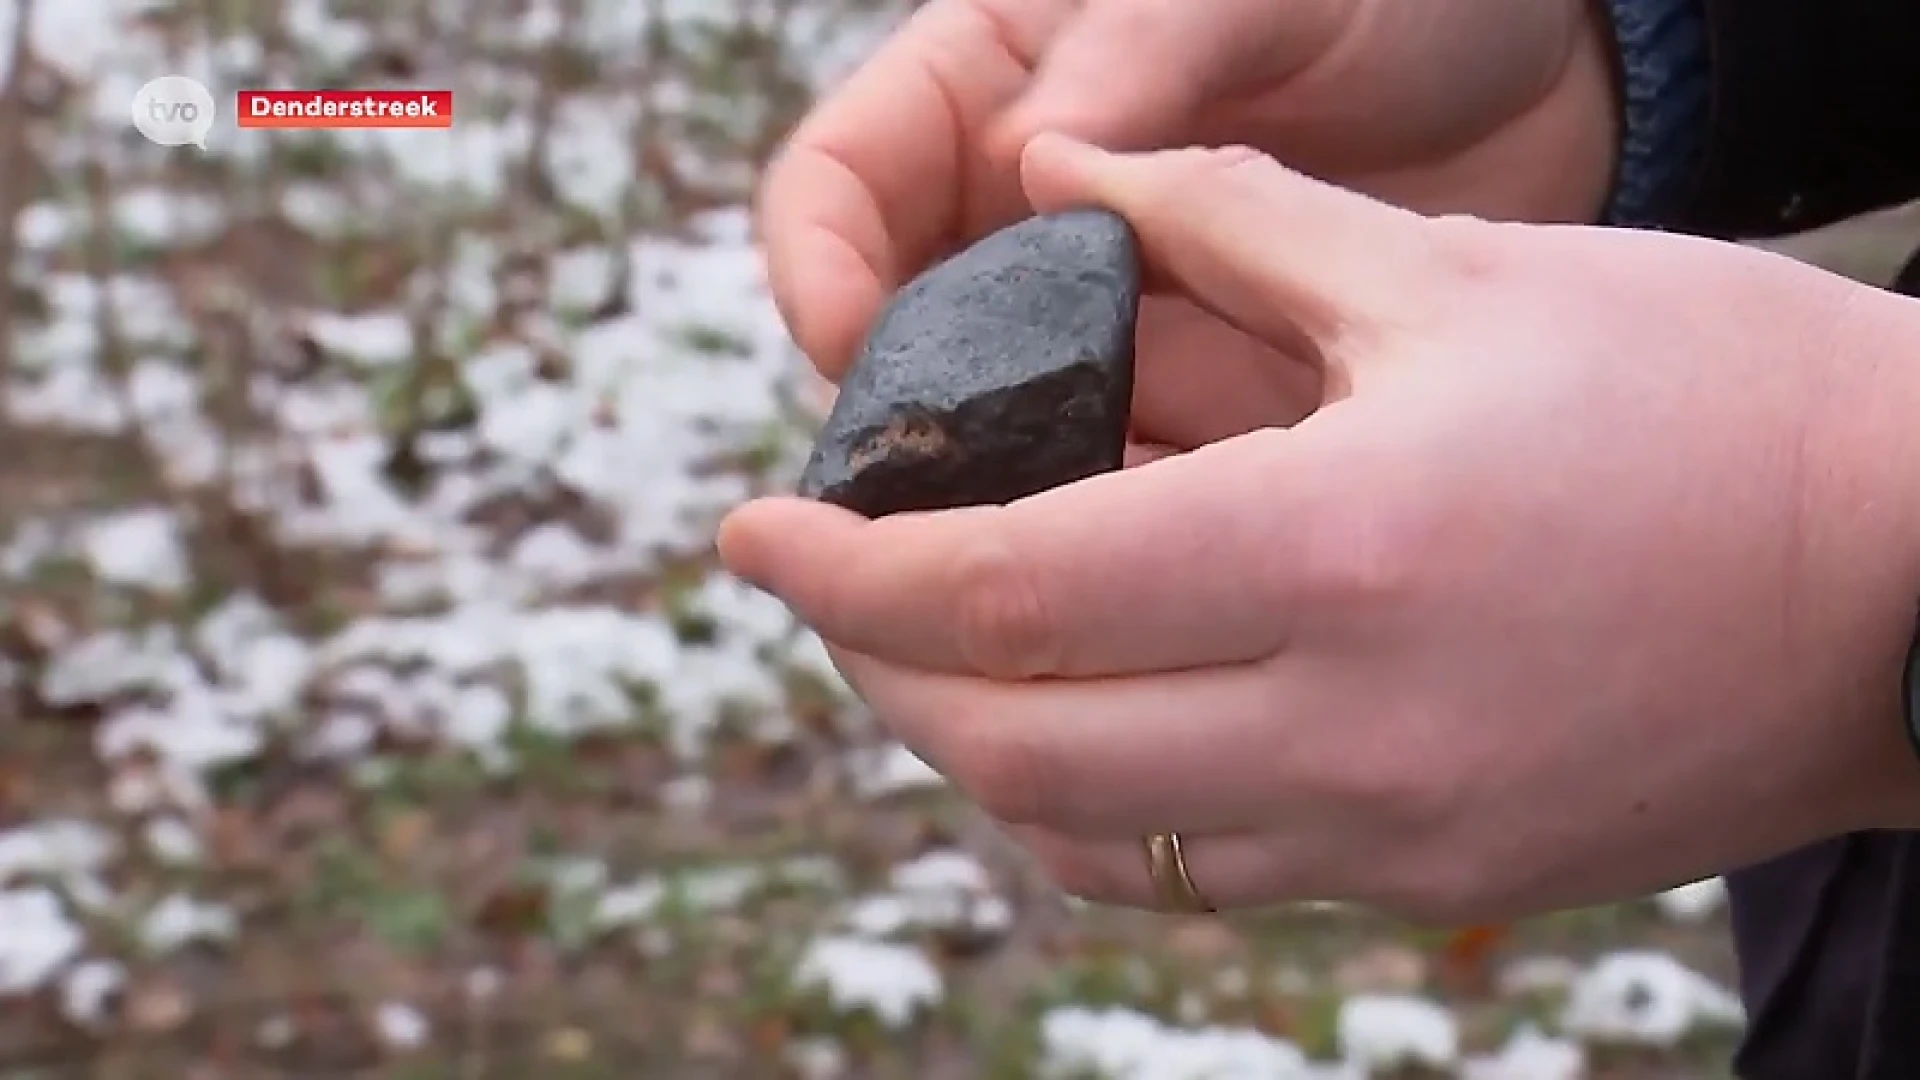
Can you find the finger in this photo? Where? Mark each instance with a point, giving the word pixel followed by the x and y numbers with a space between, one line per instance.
pixel 1269 250
pixel 1200 380
pixel 881 178
pixel 1228 871
pixel 1158 567
pixel 1176 58
pixel 1101 758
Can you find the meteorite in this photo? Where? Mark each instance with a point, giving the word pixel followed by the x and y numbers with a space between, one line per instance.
pixel 1002 372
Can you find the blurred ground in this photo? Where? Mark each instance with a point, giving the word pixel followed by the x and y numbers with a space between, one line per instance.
pixel 368 702
pixel 1870 248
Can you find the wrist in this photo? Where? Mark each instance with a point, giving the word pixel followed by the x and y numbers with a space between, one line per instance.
pixel 1881 444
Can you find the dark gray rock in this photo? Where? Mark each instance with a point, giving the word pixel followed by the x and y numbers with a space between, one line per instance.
pixel 1000 373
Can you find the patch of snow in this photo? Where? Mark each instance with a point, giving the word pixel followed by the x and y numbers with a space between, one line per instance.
pixel 715 683
pixel 173 841
pixel 1646 998
pixel 581 278
pixel 96 669
pixel 190 732
pixel 478 718
pixel 316 208
pixel 556 556
pixel 32 543
pixel 138 548
pixel 180 920
pixel 157 216
pixel 471 160
pixel 589 154
pixel 941 890
pixel 45 226
pixel 263 668
pixel 378 339
pixel 879 772
pixel 401 1026
pixel 319 33
pixel 75 36
pixel 721 887
pixel 894 983
pixel 534 425
pixel 1382 1032
pixel 583 666
pixel 807 653
pixel 58 849
pixel 159 390
pixel 68 398
pixel 629 904
pixel 1121 1044
pixel 37 939
pixel 88 988
pixel 1693 903
pixel 1529 1055
pixel 140 787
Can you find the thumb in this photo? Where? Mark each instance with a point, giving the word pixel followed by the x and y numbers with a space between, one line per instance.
pixel 1271 251
pixel 1125 74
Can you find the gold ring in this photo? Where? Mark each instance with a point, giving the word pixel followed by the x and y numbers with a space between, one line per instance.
pixel 1168 869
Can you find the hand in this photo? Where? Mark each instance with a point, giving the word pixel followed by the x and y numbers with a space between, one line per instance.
pixel 1498 107
pixel 1594 575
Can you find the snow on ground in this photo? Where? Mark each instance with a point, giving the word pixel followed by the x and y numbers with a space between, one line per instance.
pixel 1646 998
pixel 892 982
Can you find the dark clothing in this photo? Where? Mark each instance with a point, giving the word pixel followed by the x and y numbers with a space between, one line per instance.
pixel 1829 944
pixel 1814 115
pixel 1812 928
pixel 1811 115
pixel 1908 279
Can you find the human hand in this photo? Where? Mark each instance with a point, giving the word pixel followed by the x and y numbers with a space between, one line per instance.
pixel 1502 108
pixel 1594 574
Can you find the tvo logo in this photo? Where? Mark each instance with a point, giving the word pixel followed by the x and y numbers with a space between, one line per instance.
pixel 174 110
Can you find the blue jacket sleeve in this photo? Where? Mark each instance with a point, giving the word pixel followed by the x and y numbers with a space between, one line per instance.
pixel 1750 118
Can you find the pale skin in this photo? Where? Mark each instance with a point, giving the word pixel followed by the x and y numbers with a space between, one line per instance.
pixel 1589 569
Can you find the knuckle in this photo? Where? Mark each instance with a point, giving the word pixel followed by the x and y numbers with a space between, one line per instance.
pixel 1394 793
pixel 1170 186
pixel 1004 625
pixel 1437 874
pixel 1443 892
pixel 1234 165
pixel 1408 777
pixel 1469 250
pixel 1007 770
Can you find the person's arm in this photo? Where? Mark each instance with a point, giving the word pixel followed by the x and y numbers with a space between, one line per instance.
pixel 1751 118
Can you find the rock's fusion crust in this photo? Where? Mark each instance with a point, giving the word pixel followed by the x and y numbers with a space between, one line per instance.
pixel 1000 373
